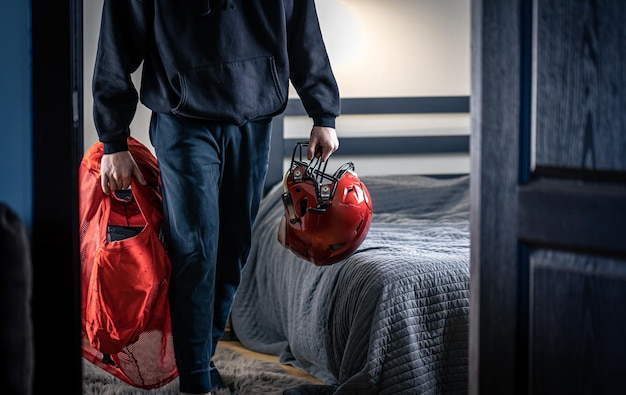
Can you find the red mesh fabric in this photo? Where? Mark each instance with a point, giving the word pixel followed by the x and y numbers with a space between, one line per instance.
pixel 125 309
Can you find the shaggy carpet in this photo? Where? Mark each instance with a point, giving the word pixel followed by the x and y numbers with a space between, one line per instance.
pixel 242 375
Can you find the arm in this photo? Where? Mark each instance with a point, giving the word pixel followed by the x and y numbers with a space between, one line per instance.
pixel 313 78
pixel 122 45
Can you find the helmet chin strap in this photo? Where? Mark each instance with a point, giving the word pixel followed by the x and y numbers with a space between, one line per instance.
pixel 288 201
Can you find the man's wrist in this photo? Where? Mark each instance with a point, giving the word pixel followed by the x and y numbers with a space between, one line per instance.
pixel 112 147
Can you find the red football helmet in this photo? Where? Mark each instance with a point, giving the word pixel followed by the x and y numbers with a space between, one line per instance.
pixel 326 216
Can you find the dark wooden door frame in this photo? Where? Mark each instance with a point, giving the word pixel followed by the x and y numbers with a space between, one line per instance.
pixel 497 364
pixel 57 108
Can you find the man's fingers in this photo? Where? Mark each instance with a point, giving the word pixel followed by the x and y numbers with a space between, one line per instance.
pixel 138 175
pixel 320 151
pixel 325 154
pixel 322 143
pixel 117 170
pixel 112 184
pixel 313 150
pixel 104 181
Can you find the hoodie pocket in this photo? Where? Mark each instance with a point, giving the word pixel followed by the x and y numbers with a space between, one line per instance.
pixel 234 92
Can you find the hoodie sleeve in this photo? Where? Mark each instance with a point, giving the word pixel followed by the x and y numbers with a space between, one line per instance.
pixel 122 42
pixel 310 70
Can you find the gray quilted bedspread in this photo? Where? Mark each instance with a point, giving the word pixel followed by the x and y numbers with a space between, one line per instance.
pixel 390 319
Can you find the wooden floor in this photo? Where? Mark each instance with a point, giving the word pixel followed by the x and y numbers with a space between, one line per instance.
pixel 236 346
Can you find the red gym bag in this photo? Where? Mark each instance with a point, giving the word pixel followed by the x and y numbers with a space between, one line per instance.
pixel 125 273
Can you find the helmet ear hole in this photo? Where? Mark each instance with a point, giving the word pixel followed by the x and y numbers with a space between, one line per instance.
pixel 303 206
pixel 335 247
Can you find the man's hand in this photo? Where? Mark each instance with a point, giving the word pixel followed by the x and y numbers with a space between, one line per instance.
pixel 323 139
pixel 116 170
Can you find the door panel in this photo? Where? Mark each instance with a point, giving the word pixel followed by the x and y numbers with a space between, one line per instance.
pixel 579 82
pixel 548 189
pixel 578 323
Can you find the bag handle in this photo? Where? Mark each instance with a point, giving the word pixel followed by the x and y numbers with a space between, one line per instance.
pixel 144 196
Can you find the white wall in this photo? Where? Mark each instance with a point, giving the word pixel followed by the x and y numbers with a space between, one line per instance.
pixel 398 47
pixel 389 48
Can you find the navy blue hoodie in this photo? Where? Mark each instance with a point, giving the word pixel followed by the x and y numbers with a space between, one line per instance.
pixel 220 60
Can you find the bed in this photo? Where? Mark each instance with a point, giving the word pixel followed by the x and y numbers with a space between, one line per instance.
pixel 393 317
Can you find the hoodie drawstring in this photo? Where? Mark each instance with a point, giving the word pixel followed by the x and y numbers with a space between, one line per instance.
pixel 229 5
pixel 206 7
pixel 226 5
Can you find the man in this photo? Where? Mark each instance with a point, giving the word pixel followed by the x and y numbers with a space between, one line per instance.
pixel 214 74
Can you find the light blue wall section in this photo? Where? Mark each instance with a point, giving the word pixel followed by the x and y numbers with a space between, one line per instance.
pixel 16 162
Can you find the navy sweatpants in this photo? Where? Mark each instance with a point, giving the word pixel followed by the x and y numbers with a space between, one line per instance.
pixel 212 176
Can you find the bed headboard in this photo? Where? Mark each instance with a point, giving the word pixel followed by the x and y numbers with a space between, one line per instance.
pixel 282 147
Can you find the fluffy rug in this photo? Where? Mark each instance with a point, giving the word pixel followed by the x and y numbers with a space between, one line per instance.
pixel 243 376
